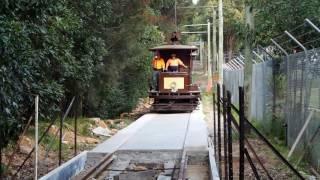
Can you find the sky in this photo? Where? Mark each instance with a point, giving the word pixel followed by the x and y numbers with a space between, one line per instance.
pixel 195 2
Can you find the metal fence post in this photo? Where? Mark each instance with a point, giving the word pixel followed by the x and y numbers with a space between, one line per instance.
pixel 0 160
pixel 63 117
pixel 229 116
pixel 313 25
pixel 36 126
pixel 219 128
pixel 241 133
pixel 60 139
pixel 288 85
pixel 214 122
pixel 225 131
pixel 75 126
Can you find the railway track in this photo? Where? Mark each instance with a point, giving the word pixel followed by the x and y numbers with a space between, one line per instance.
pixel 156 146
pixel 98 170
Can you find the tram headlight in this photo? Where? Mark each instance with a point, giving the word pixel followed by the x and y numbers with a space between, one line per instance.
pixel 173 86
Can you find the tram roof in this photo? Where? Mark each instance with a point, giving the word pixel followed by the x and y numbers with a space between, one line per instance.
pixel 175 47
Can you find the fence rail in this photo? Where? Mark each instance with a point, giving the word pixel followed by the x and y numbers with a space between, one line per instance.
pixel 230 125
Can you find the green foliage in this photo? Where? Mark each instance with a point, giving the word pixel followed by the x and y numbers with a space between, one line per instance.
pixel 95 49
pixel 118 85
pixel 274 17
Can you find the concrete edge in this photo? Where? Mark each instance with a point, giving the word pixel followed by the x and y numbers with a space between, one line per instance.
pixel 68 169
pixel 212 162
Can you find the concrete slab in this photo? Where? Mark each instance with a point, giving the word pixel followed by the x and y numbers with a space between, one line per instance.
pixel 162 132
pixel 122 136
pixel 198 132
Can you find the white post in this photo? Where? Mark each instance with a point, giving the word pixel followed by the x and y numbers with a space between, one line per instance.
pixel 209 51
pixel 200 52
pixel 175 15
pixel 220 41
pixel 300 134
pixel 214 40
pixel 36 126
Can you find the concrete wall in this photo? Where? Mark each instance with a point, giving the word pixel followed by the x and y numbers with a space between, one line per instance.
pixel 68 169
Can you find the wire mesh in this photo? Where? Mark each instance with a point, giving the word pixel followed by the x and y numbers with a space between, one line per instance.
pixel 284 91
pixel 303 102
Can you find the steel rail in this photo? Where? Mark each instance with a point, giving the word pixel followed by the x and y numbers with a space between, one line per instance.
pixel 184 158
pixel 141 170
pixel 183 166
pixel 97 169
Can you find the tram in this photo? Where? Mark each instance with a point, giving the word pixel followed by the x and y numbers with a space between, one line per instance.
pixel 176 91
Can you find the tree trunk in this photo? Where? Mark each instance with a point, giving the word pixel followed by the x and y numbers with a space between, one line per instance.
pixel 230 45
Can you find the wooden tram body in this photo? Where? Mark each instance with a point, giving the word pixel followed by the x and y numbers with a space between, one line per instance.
pixel 176 92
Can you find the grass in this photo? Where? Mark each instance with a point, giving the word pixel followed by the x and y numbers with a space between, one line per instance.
pixel 51 141
pixel 83 125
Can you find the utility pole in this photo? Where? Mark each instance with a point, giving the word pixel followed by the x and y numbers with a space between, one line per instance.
pixel 249 22
pixel 175 15
pixel 209 67
pixel 200 51
pixel 214 39
pixel 209 50
pixel 220 54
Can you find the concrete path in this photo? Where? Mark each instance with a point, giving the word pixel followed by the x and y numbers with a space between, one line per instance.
pixel 160 132
pixel 151 132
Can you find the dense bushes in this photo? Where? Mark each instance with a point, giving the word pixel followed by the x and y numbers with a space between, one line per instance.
pixel 95 49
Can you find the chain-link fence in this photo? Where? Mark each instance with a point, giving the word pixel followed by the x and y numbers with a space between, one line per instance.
pixel 303 103
pixel 285 89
